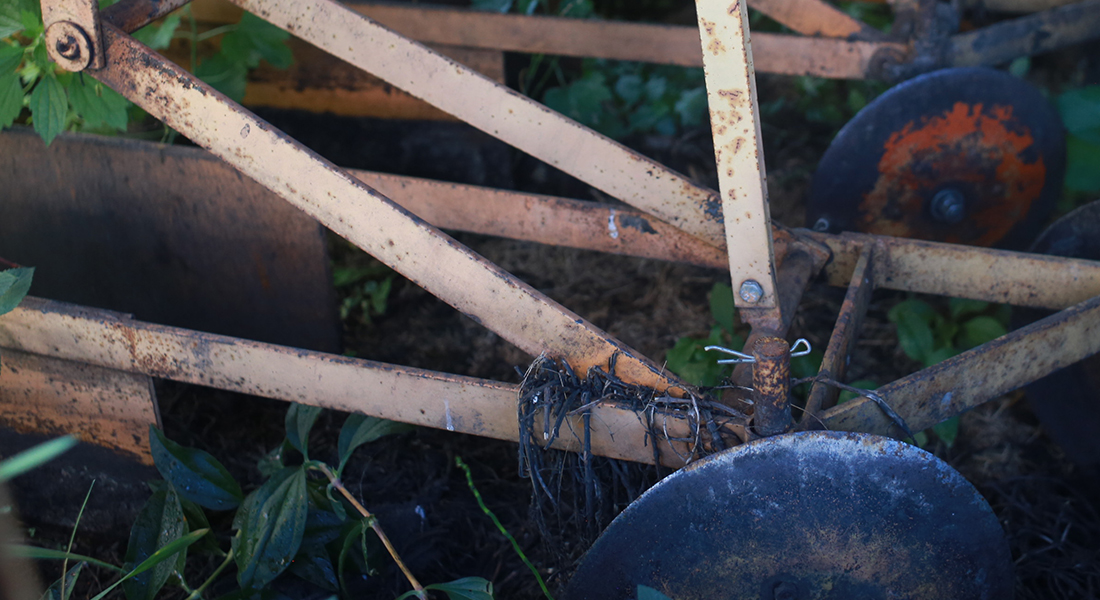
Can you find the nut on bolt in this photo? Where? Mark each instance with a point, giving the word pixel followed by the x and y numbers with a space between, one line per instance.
pixel 751 291
pixel 69 46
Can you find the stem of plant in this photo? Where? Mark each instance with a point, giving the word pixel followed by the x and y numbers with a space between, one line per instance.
pixel 336 483
pixel 197 593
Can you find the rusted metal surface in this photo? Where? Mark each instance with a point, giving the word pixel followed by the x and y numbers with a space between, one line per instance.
pixel 801 516
pixel 500 112
pixel 971 156
pixel 960 383
pixel 548 220
pixel 1001 276
pixel 399 239
pixel 426 398
pixel 735 125
pixel 843 339
pixel 1024 6
pixel 1026 36
pixel 817 18
pixel 615 40
pixel 771 386
pixel 167 233
pixel 53 397
pixel 131 15
pixel 73 34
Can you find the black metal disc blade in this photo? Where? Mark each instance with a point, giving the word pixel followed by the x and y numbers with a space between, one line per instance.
pixel 1068 401
pixel 806 516
pixel 968 156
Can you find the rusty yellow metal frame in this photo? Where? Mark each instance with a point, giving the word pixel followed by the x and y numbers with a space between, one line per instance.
pixel 520 314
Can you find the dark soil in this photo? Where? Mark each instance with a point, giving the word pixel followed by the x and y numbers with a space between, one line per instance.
pixel 1047 505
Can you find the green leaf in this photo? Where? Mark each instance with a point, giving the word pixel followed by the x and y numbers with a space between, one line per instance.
pixel 98 104
pixel 33 457
pixel 11 20
pixel 914 335
pixel 863 384
pixel 272 522
pixel 160 522
pixel 629 88
pixel 299 421
pixel 467 588
pixel 14 285
pixel 196 475
pixel 11 99
pixel 10 58
pixel 66 583
pixel 159 37
pixel 807 365
pixel 272 462
pixel 196 519
pixel 24 551
pixel 313 562
pixel 721 306
pixel 647 593
pixel 158 557
pixel 255 39
pixel 49 106
pixel 939 355
pixel 361 429
pixel 1082 164
pixel 961 307
pixel 1080 110
pixel 692 107
pixel 691 362
pixel 356 536
pixel 655 88
pixel 224 74
pixel 947 431
pixel 980 330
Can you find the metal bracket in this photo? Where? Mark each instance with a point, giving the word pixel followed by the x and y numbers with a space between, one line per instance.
pixel 73 34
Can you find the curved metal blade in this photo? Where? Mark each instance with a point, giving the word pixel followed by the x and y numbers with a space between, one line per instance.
pixel 969 156
pixel 810 515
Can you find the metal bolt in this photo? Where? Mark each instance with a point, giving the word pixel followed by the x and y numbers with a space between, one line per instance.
pixel 69 46
pixel 822 225
pixel 751 291
pixel 948 206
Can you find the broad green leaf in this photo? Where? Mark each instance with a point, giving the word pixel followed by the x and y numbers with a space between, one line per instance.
pixel 196 519
pixel 980 330
pixel 1082 164
pixel 313 562
pixel 299 421
pixel 272 462
pixel 939 355
pixel 361 429
pixel 62 589
pixel 158 557
pixel 913 306
pixel 961 307
pixel 98 104
pixel 359 545
pixel 696 366
pixel 225 75
pixel 722 307
pixel 196 475
pixel 160 522
pixel 49 106
pixel 11 99
pixel 948 431
pixel 1080 110
pixel 11 20
pixel 10 58
pixel 914 335
pixel 159 36
pixel 255 40
pixel 467 588
pixel 271 521
pixel 629 88
pixel 24 551
pixel 14 285
pixel 33 457
pixel 692 107
pixel 655 88
pixel 647 593
pixel 807 365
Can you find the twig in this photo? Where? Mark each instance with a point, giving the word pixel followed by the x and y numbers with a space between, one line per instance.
pixel 336 483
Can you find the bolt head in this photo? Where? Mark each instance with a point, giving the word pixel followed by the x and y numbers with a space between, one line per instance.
pixel 948 206
pixel 69 46
pixel 822 225
pixel 751 291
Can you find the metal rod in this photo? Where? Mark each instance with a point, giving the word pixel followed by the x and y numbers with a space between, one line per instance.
pixel 771 384
pixel 1026 36
pixel 131 15
pixel 817 18
pixel 442 266
pixel 417 396
pixel 500 112
pixel 975 376
pixel 842 340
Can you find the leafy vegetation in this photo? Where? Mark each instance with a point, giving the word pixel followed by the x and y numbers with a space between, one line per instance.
pixel 57 101
pixel 690 361
pixel 365 289
pixel 301 522
pixel 1080 109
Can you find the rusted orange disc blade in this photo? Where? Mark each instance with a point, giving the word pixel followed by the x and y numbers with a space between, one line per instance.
pixel 966 156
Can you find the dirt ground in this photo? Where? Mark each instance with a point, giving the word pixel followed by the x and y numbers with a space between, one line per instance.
pixel 1047 505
